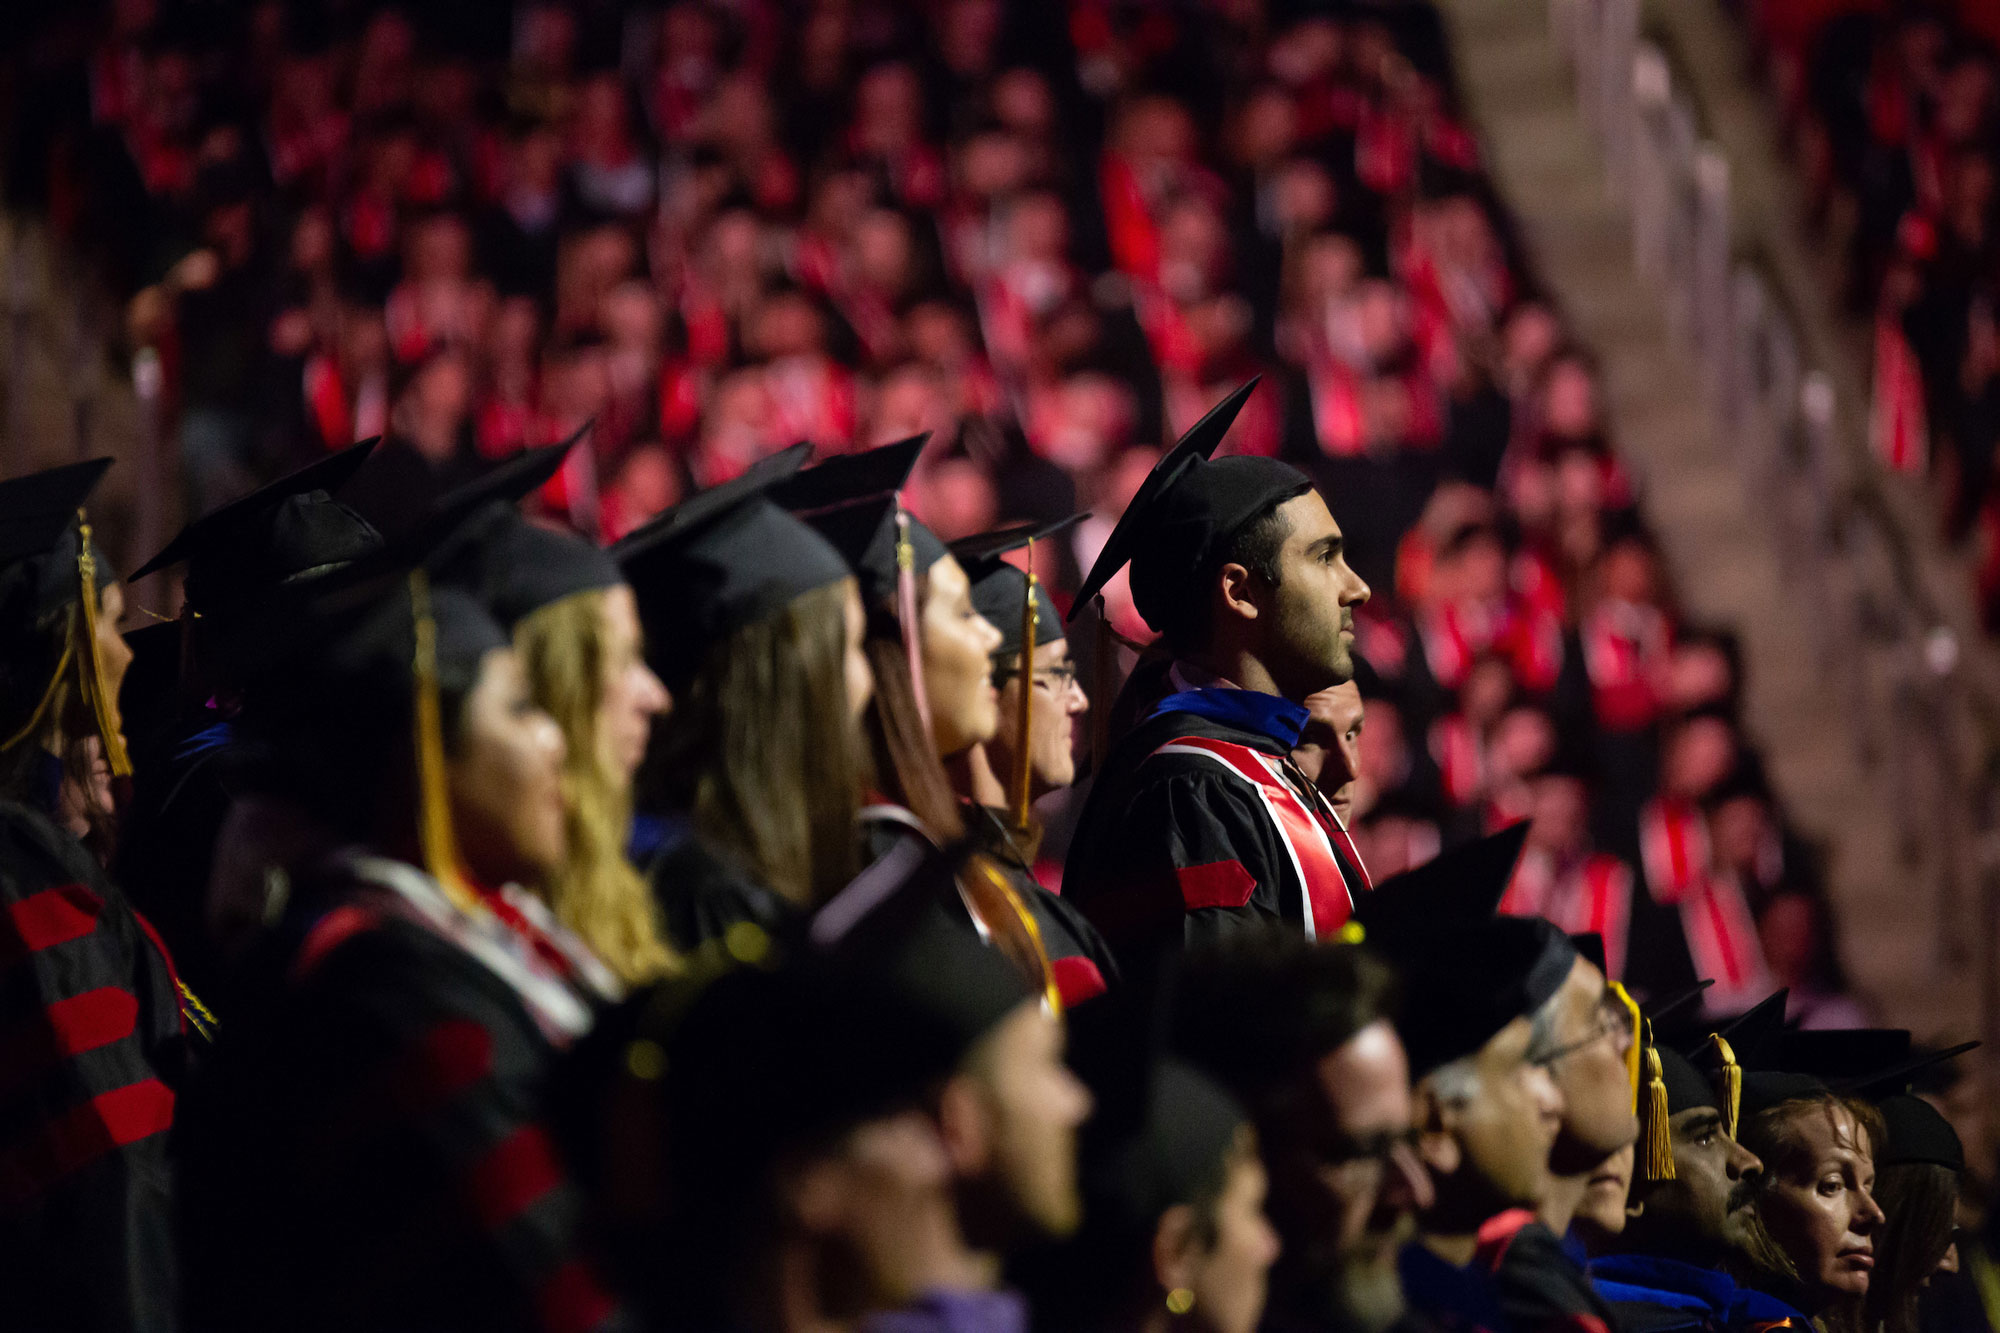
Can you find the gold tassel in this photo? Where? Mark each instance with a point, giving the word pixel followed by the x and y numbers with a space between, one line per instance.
pixel 1024 736
pixel 1656 1136
pixel 434 829
pixel 908 615
pixel 103 706
pixel 1731 1092
pixel 1634 1054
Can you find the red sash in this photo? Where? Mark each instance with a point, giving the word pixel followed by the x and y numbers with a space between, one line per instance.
pixel 1721 933
pixel 1308 836
pixel 1593 896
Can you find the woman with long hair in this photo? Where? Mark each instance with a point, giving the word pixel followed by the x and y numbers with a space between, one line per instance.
pixel 1818 1223
pixel 753 621
pixel 931 655
pixel 1916 1182
pixel 406 1009
pixel 92 1006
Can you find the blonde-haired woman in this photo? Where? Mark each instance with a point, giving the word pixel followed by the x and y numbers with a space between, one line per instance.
pixel 576 629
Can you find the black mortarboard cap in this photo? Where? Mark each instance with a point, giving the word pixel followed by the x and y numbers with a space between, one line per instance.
pixel 1837 1054
pixel 865 533
pixel 847 477
pixel 38 525
pixel 999 590
pixel 1186 507
pixel 1765 1088
pixel 890 925
pixel 1590 945
pixel 1687 1087
pixel 1465 980
pixel 1917 1133
pixel 1465 883
pixel 1901 1075
pixel 240 553
pixel 724 559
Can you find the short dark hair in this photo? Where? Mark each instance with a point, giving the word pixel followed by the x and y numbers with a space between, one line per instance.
pixel 1256 546
pixel 1256 1014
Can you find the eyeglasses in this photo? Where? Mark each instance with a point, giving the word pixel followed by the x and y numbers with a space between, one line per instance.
pixel 1613 1020
pixel 1057 679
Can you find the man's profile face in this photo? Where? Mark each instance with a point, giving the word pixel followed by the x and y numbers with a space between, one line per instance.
pixel 1507 1127
pixel 1312 609
pixel 1586 1052
pixel 1346 1183
pixel 1706 1211
pixel 1329 749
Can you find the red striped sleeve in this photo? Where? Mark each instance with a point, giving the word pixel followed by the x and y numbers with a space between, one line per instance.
pixel 80 1135
pixel 66 1028
pixel 1217 884
pixel 44 920
pixel 512 1176
pixel 572 1301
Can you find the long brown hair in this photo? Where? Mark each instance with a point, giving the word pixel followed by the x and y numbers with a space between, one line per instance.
pixel 44 666
pixel 907 767
pixel 597 894
pixel 762 751
pixel 1920 1201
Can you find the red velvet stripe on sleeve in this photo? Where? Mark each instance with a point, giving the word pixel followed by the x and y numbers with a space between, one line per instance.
pixel 46 919
pixel 1217 884
pixel 82 1134
pixel 66 1028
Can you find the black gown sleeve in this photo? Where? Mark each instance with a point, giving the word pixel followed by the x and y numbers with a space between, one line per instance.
pixel 1189 861
pixel 90 1045
pixel 391 1112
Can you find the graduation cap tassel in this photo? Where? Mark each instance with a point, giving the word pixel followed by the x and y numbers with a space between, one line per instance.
pixel 1634 1056
pixel 434 828
pixel 1731 1091
pixel 1023 745
pixel 103 705
pixel 1656 1136
pixel 906 613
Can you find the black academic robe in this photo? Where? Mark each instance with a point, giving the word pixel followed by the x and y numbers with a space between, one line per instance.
pixel 367 1148
pixel 703 892
pixel 1176 850
pixel 1079 959
pixel 91 1045
pixel 1540 1285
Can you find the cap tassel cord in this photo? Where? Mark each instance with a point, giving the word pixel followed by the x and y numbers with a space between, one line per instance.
pixel 1731 1091
pixel 434 829
pixel 906 614
pixel 1656 1137
pixel 1635 1054
pixel 1051 994
pixel 103 705
pixel 1023 735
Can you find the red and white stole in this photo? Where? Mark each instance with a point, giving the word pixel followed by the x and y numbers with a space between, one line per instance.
pixel 1461 758
pixel 1308 835
pixel 1721 933
pixel 1623 645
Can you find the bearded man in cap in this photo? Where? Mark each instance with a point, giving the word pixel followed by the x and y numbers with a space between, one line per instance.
pixel 1200 823
pixel 1691 1215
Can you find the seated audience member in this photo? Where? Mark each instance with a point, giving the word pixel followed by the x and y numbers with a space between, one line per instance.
pixel 1301 1035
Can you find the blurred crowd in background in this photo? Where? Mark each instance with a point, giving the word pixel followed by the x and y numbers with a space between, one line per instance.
pixel 1894 111
pixel 1051 235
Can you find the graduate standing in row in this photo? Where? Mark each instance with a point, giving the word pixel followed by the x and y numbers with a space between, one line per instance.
pixel 1199 823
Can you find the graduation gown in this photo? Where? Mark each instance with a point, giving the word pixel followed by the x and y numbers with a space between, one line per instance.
pixel 91 1049
pixel 1200 826
pixel 1654 1295
pixel 368 1147
pixel 703 892
pixel 1079 959
pixel 1541 1287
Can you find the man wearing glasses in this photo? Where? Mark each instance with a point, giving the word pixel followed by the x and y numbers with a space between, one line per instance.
pixel 1033 753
